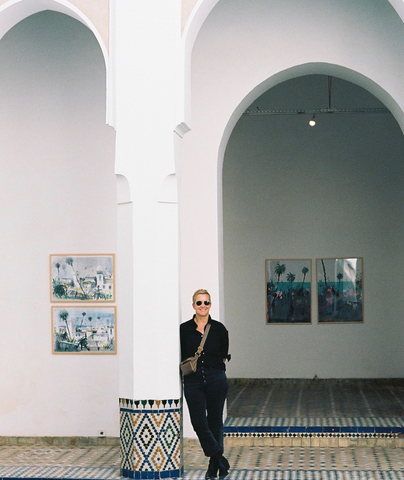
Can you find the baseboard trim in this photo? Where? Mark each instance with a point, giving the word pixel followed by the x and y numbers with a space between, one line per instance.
pixel 60 441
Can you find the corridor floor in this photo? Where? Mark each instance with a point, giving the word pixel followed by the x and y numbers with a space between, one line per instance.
pixel 277 398
pixel 255 463
pixel 371 407
pixel 255 403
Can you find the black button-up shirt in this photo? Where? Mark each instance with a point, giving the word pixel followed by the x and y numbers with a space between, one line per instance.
pixel 216 346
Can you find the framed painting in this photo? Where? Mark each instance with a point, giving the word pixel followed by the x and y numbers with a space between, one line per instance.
pixel 82 278
pixel 85 329
pixel 288 291
pixel 340 290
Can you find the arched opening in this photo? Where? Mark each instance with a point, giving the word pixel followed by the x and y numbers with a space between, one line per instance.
pixel 14 11
pixel 58 196
pixel 239 54
pixel 195 21
pixel 292 191
pixel 299 192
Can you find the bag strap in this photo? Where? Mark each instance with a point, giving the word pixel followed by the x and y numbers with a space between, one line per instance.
pixel 202 344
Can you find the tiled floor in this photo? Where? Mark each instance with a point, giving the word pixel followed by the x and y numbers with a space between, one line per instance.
pixel 264 463
pixel 256 463
pixel 374 408
pixel 59 462
pixel 270 404
pixel 316 398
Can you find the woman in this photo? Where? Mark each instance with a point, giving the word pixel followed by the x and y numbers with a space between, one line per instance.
pixel 206 390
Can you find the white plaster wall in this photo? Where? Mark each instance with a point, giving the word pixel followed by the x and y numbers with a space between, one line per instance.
pixel 58 195
pixel 292 191
pixel 243 49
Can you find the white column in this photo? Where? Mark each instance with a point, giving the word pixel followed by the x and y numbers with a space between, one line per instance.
pixel 144 36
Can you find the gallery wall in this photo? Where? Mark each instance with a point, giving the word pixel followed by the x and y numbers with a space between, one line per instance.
pixel 291 191
pixel 58 195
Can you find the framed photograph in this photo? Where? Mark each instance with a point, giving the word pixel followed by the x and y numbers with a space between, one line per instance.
pixel 82 278
pixel 288 291
pixel 340 290
pixel 85 329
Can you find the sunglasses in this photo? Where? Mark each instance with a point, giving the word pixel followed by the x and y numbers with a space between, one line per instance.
pixel 199 303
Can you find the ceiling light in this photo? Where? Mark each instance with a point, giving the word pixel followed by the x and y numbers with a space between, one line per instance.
pixel 312 122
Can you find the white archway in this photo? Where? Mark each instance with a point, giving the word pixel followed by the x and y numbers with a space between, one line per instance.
pixel 282 76
pixel 256 208
pixel 13 11
pixel 239 54
pixel 195 22
pixel 309 69
pixel 54 135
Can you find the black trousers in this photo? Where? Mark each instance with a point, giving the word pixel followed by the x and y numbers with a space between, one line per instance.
pixel 205 392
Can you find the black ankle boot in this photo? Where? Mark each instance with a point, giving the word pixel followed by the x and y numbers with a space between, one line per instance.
pixel 213 468
pixel 224 467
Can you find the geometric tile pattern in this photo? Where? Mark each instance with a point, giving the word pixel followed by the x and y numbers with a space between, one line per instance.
pixel 303 463
pixel 320 398
pixel 286 408
pixel 59 462
pixel 150 438
pixel 247 463
pixel 312 427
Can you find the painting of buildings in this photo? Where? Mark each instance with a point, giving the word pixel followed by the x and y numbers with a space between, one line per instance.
pixel 84 330
pixel 82 278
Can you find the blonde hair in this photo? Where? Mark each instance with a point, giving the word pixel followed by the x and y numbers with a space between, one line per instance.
pixel 201 291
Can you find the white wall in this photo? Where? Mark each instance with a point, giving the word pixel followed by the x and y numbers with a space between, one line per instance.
pixel 292 191
pixel 243 49
pixel 58 195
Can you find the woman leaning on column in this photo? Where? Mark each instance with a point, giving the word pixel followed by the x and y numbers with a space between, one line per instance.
pixel 206 389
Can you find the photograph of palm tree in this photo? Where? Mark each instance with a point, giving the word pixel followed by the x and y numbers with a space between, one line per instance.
pixel 84 329
pixel 288 291
pixel 83 278
pixel 340 290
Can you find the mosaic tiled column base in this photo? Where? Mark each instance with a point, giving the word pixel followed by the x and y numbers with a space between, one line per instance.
pixel 150 438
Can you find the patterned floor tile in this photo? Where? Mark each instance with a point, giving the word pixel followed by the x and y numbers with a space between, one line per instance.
pixel 56 462
pixel 262 463
pixel 283 403
pixel 255 463
pixel 279 398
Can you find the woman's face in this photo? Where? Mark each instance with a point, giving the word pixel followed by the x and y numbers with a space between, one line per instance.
pixel 200 306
